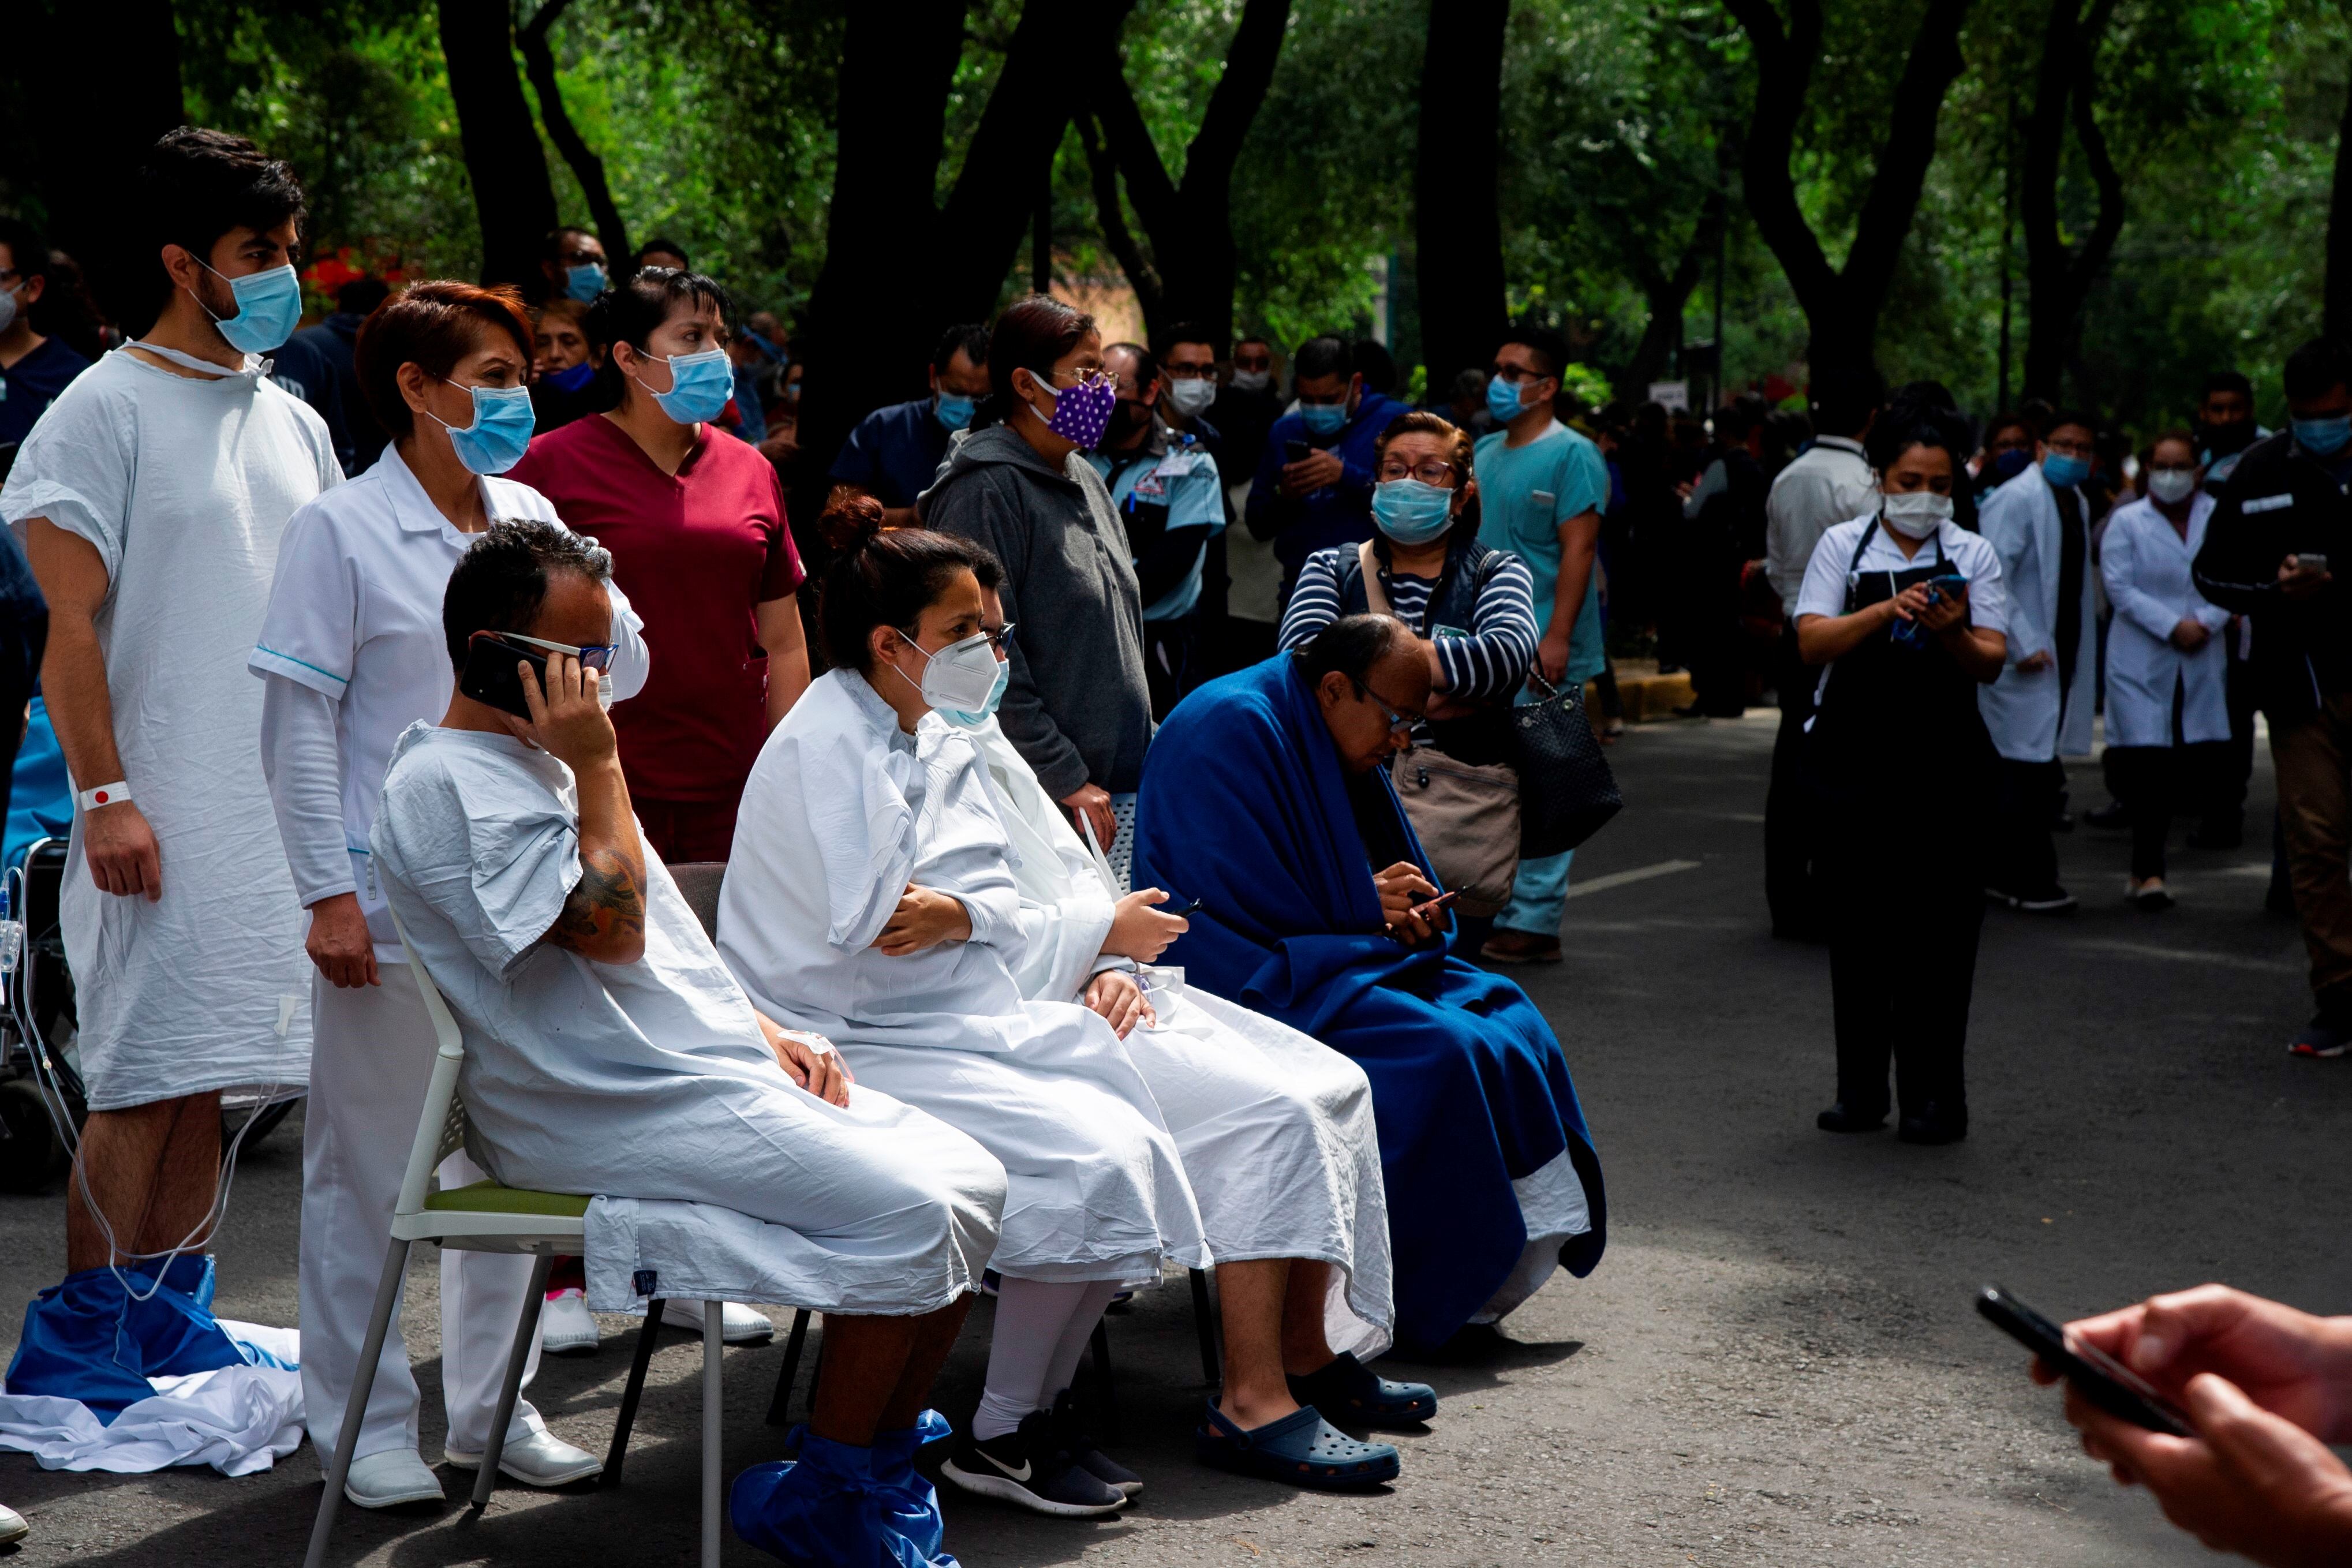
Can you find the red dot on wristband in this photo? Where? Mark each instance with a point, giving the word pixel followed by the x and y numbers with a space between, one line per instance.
pixel 103 797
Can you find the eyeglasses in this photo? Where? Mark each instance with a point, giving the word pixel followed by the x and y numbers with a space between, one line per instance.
pixel 1254 362
pixel 593 656
pixel 1514 374
pixel 1000 637
pixel 2072 448
pixel 1434 471
pixel 1192 372
pixel 1084 379
pixel 1397 721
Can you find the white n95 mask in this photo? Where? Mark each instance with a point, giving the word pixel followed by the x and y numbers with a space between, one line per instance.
pixel 1915 514
pixel 961 675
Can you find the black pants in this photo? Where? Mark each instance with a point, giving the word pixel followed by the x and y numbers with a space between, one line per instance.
pixel 1788 882
pixel 2024 860
pixel 1168 654
pixel 1903 965
pixel 2156 783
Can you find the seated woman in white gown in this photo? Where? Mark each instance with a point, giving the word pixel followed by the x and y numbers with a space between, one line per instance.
pixel 870 897
pixel 1275 1128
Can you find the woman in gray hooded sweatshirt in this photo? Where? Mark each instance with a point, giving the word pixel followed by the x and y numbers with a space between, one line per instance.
pixel 1076 704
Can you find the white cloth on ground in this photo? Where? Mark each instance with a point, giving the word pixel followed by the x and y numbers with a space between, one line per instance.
pixel 237 1419
pixel 368 1075
pixel 1275 1128
pixel 354 623
pixel 183 486
pixel 2145 567
pixel 652 1080
pixel 2029 718
pixel 838 816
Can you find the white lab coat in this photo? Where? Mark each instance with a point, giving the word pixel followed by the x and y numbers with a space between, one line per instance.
pixel 2030 719
pixel 183 486
pixel 1276 1127
pixel 2146 567
pixel 840 814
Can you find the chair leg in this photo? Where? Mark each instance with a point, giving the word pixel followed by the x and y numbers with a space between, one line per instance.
pixel 511 1389
pixel 1206 1320
pixel 714 1410
pixel 1100 1344
pixel 387 1297
pixel 635 1390
pixel 780 1407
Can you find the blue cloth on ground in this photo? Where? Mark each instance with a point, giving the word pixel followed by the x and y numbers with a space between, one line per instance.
pixel 834 1506
pixel 1245 807
pixel 40 797
pixel 88 1338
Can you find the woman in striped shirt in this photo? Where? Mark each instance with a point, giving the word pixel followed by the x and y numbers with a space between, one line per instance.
pixel 1471 606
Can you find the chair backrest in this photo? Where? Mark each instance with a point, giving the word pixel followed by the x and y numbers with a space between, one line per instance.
pixel 699 882
pixel 441 1125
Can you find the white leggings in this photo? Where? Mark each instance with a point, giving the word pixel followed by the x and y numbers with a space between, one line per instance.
pixel 1042 1329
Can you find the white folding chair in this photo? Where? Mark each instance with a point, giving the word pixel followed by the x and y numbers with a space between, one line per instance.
pixel 486 1218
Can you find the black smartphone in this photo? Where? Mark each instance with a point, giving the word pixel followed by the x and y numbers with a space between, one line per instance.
pixel 490 674
pixel 2097 1375
pixel 1189 909
pixel 1442 901
pixel 1295 450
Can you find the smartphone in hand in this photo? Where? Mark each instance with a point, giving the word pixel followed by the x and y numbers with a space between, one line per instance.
pixel 489 673
pixel 2099 1377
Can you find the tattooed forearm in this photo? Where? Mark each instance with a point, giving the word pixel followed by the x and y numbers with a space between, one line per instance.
pixel 605 918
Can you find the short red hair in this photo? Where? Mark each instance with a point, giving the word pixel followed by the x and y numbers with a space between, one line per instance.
pixel 434 324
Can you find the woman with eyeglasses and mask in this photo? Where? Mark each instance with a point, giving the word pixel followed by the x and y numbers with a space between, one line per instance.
pixel 1904 613
pixel 352 653
pixel 1077 704
pixel 2168 700
pixel 698 533
pixel 1471 608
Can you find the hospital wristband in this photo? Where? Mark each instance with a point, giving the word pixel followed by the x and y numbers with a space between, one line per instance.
pixel 114 794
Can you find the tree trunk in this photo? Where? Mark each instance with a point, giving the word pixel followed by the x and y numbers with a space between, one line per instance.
pixel 512 197
pixel 1667 295
pixel 1458 226
pixel 92 140
pixel 2340 234
pixel 1191 226
pixel 1102 169
pixel 586 167
pixel 1842 305
pixel 2059 279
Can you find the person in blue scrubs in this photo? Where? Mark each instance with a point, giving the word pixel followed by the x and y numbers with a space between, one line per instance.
pixel 33 367
pixel 895 452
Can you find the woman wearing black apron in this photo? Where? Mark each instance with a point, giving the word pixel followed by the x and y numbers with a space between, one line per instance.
pixel 1905 610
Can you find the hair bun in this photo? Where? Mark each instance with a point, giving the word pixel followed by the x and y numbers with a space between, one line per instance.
pixel 851 517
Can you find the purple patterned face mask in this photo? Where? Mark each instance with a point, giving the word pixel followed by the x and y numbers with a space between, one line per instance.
pixel 1081 412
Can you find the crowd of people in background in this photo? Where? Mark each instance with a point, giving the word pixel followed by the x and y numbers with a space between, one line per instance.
pixel 1117 654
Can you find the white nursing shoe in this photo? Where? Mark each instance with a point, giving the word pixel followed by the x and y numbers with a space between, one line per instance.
pixel 540 1459
pixel 389 1478
pixel 565 1326
pixel 12 1527
pixel 737 1324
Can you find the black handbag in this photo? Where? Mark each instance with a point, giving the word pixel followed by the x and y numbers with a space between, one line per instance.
pixel 1567 793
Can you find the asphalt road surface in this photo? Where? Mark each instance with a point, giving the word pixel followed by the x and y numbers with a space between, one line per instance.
pixel 1777 1362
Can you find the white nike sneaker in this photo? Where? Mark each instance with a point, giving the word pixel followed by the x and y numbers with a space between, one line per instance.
pixel 391 1478
pixel 565 1326
pixel 737 1324
pixel 541 1460
pixel 12 1525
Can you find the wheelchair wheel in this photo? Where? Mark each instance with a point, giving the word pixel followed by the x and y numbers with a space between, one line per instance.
pixel 31 1155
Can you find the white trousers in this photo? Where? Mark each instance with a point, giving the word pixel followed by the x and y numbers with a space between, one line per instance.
pixel 370 1063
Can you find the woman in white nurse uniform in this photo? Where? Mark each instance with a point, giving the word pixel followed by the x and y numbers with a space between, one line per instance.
pixel 2168 703
pixel 352 652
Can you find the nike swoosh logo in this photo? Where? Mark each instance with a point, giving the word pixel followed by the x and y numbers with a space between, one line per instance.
pixel 1020 1475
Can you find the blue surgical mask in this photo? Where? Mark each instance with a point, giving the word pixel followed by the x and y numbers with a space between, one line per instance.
pixel 1503 400
pixel 2322 437
pixel 969 720
pixel 955 412
pixel 1411 512
pixel 1324 418
pixel 2065 470
pixel 2013 462
pixel 585 281
pixel 700 385
pixel 572 380
pixel 501 429
pixel 268 304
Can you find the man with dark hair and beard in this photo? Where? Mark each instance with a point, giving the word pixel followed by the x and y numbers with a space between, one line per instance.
pixel 2225 426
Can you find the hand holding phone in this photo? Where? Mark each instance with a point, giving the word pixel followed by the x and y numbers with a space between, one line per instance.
pixel 2106 1382
pixel 1442 901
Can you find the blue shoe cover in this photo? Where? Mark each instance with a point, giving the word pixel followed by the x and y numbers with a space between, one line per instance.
pixel 912 1509
pixel 826 1509
pixel 88 1338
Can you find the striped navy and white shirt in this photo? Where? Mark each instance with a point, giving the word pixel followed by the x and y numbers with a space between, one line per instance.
pixel 1486 659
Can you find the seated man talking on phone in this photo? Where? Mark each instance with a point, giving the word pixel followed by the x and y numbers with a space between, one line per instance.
pixel 2267 1387
pixel 1264 798
pixel 608 1051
